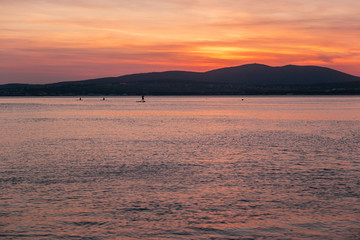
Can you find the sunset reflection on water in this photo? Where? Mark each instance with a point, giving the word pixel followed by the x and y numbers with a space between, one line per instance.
pixel 180 168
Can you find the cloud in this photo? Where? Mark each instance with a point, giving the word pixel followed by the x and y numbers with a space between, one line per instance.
pixel 170 34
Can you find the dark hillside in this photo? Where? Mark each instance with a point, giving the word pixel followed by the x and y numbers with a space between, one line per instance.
pixel 245 79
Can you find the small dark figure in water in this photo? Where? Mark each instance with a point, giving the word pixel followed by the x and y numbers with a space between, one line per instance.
pixel 103 99
pixel 142 98
pixel 242 99
pixel 79 99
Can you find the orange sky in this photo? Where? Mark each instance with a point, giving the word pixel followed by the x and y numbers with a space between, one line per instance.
pixel 56 40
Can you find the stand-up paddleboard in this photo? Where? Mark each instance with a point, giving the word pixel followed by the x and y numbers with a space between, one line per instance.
pixel 142 99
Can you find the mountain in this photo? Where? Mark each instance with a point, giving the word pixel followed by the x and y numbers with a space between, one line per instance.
pixel 245 79
pixel 258 74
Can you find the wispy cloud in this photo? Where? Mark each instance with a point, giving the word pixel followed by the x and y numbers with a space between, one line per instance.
pixel 121 36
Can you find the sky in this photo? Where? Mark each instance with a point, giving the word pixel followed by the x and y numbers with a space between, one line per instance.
pixel 44 41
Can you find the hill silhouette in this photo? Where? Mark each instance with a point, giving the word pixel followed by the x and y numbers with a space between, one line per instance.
pixel 245 79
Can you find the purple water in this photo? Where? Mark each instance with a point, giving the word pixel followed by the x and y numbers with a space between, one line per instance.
pixel 180 168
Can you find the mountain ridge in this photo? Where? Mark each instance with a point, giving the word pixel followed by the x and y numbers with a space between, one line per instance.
pixel 244 79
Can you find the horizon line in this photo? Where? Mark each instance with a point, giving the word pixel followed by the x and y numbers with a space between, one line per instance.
pixel 136 73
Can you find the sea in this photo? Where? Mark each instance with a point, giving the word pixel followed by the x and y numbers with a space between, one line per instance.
pixel 196 167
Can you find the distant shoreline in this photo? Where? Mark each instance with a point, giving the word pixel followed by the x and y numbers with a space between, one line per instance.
pixel 235 96
pixel 250 79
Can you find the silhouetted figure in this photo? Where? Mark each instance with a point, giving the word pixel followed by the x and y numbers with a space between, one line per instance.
pixel 242 99
pixel 103 99
pixel 142 99
pixel 79 99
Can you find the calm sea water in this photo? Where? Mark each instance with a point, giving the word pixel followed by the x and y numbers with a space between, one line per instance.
pixel 180 168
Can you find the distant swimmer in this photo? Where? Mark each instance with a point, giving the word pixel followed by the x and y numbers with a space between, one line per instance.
pixel 242 99
pixel 79 99
pixel 103 99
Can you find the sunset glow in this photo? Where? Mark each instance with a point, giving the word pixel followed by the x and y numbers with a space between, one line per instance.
pixel 45 41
